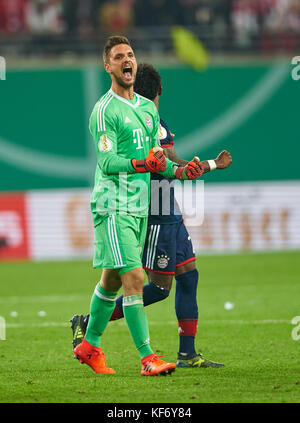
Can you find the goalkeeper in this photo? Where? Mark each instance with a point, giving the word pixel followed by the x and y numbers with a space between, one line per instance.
pixel 168 250
pixel 124 126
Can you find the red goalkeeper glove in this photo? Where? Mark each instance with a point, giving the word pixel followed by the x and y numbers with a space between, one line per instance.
pixel 192 170
pixel 154 162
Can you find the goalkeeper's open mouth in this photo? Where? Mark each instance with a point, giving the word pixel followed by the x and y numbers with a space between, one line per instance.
pixel 127 73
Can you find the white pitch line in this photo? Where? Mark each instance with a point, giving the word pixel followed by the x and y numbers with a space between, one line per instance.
pixel 171 322
pixel 247 322
pixel 37 325
pixel 44 299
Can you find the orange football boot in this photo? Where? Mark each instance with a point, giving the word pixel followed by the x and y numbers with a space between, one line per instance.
pixel 93 357
pixel 152 365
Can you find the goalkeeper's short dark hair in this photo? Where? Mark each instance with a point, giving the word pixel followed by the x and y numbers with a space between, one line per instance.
pixel 148 81
pixel 112 41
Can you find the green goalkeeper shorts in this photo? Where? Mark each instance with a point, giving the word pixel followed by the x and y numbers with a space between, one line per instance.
pixel 119 242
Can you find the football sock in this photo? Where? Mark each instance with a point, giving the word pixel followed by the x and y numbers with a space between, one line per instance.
pixel 187 310
pixel 101 308
pixel 151 294
pixel 137 323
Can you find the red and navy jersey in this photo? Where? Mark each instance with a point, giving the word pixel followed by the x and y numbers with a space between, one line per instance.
pixel 164 135
pixel 163 212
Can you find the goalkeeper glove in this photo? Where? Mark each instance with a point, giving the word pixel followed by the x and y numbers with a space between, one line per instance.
pixel 192 170
pixel 154 162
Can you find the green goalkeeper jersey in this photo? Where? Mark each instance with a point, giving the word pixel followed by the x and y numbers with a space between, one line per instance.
pixel 123 130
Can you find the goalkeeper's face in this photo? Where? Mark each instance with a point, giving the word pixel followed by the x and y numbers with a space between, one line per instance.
pixel 121 65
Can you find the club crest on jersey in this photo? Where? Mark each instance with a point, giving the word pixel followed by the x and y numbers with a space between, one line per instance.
pixel 148 121
pixel 163 261
pixel 104 144
pixel 162 132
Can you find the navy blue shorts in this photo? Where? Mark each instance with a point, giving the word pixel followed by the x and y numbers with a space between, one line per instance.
pixel 167 246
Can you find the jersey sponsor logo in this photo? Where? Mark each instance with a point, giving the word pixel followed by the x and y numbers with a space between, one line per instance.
pixel 104 144
pixel 148 121
pixel 162 132
pixel 138 138
pixel 163 261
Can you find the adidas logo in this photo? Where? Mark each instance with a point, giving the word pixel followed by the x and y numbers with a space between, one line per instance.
pixel 148 368
pixel 78 333
pixel 127 120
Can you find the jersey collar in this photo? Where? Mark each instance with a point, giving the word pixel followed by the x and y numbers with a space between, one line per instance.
pixel 133 105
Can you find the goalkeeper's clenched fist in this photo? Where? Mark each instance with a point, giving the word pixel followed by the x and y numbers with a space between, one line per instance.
pixel 154 162
pixel 192 170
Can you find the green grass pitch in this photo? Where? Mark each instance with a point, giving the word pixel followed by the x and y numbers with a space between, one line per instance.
pixel 253 339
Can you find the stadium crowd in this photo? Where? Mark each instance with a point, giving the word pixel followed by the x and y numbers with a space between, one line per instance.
pixel 243 20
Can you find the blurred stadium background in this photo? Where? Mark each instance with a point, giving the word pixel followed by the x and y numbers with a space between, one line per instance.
pixel 243 99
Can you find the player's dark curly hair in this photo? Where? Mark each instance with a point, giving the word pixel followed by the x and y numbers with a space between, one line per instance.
pixel 148 81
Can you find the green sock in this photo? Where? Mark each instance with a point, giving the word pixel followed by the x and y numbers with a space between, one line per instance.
pixel 136 319
pixel 102 305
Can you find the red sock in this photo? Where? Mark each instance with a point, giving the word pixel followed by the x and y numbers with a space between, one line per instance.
pixel 117 314
pixel 187 327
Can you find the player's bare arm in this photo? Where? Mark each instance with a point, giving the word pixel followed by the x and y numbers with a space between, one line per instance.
pixel 223 161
